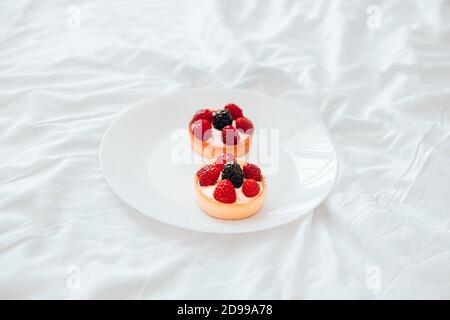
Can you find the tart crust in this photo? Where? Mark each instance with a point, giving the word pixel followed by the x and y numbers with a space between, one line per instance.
pixel 230 211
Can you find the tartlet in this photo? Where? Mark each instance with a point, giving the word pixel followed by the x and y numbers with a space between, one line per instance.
pixel 210 201
pixel 216 131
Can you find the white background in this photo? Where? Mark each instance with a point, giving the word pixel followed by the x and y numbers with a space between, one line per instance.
pixel 378 77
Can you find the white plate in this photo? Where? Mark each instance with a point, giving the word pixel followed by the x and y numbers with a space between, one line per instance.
pixel 147 160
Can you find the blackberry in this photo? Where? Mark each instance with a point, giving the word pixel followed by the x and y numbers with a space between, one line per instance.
pixel 222 118
pixel 233 172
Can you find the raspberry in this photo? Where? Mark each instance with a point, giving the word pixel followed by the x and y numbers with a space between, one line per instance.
pixel 203 114
pixel 251 171
pixel 201 129
pixel 230 136
pixel 223 159
pixel 244 125
pixel 233 172
pixel 225 192
pixel 250 188
pixel 235 111
pixel 222 118
pixel 208 175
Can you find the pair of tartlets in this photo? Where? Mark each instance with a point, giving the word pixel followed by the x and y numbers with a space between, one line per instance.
pixel 226 187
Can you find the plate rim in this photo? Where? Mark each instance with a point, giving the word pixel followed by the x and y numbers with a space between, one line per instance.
pixel 306 113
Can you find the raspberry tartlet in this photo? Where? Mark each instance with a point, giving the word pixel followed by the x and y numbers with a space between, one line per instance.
pixel 218 131
pixel 228 188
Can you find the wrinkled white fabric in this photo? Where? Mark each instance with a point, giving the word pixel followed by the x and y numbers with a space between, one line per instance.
pixel 376 73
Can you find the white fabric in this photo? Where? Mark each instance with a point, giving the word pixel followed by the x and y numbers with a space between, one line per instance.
pixel 376 73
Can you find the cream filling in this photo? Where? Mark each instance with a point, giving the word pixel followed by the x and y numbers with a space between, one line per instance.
pixel 240 196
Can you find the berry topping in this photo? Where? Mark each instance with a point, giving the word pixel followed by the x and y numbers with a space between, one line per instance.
pixel 224 159
pixel 225 192
pixel 222 118
pixel 251 171
pixel 230 136
pixel 203 114
pixel 235 111
pixel 208 175
pixel 250 188
pixel 233 172
pixel 245 125
pixel 201 129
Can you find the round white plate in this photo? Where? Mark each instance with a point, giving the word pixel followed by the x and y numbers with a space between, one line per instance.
pixel 147 160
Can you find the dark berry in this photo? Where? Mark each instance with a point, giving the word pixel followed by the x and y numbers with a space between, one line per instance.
pixel 222 118
pixel 233 172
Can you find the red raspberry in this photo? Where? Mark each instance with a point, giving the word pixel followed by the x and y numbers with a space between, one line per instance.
pixel 201 129
pixel 251 171
pixel 208 175
pixel 225 192
pixel 244 125
pixel 230 135
pixel 235 111
pixel 223 159
pixel 203 114
pixel 250 188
